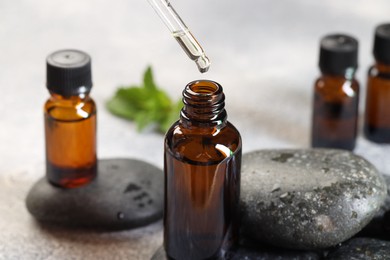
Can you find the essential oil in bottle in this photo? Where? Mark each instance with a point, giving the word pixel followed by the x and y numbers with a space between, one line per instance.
pixel 377 115
pixel 70 120
pixel 202 164
pixel 336 94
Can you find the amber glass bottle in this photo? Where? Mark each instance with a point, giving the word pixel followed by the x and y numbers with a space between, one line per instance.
pixel 70 120
pixel 377 115
pixel 336 94
pixel 202 177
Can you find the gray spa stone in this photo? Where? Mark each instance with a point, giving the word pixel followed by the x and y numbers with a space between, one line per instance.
pixel 245 253
pixel 126 194
pixel 362 249
pixel 379 226
pixel 307 199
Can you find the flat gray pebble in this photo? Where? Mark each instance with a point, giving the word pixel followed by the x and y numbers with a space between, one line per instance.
pixel 362 249
pixel 308 198
pixel 244 253
pixel 126 194
pixel 379 226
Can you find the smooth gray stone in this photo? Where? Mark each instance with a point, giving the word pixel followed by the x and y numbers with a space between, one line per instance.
pixel 379 226
pixel 362 249
pixel 159 254
pixel 244 253
pixel 308 199
pixel 125 194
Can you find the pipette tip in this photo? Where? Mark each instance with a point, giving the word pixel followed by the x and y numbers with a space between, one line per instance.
pixel 203 63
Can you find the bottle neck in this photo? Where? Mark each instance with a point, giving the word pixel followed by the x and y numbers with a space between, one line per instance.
pixel 348 74
pixel 69 100
pixel 382 67
pixel 204 105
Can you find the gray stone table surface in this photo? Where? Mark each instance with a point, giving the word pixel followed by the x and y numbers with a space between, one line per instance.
pixel 264 53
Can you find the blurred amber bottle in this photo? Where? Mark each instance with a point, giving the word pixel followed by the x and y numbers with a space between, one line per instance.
pixel 70 120
pixel 336 94
pixel 377 115
pixel 202 165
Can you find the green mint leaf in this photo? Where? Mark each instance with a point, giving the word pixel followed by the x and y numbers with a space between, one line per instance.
pixel 172 116
pixel 143 119
pixel 146 104
pixel 148 79
pixel 121 107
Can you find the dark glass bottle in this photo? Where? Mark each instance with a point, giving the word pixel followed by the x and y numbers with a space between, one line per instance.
pixel 377 115
pixel 202 166
pixel 70 120
pixel 336 94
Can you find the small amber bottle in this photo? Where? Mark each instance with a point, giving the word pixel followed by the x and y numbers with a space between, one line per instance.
pixel 202 166
pixel 70 120
pixel 336 94
pixel 377 115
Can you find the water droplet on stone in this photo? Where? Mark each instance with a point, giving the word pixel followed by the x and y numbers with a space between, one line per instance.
pixel 284 195
pixel 120 216
pixel 276 187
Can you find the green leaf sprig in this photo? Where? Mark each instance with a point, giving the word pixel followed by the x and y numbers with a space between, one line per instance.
pixel 146 104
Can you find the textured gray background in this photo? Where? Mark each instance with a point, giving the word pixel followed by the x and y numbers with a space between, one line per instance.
pixel 264 53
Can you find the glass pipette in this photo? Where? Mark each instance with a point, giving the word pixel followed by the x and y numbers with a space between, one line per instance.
pixel 181 33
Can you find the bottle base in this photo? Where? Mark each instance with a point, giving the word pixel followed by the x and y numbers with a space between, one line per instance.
pixel 377 134
pixel 70 177
pixel 223 255
pixel 335 144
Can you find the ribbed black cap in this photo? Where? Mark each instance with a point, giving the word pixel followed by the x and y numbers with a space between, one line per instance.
pixel 382 43
pixel 68 72
pixel 338 52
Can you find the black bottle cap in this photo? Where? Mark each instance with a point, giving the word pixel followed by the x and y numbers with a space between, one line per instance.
pixel 382 43
pixel 338 52
pixel 68 72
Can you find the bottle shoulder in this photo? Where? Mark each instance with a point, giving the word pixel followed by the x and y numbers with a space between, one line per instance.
pixel 333 87
pixel 378 70
pixel 334 81
pixel 228 132
pixel 70 108
pixel 199 144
